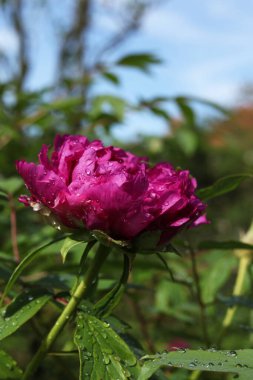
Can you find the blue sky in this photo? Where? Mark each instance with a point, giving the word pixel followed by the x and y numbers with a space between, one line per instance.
pixel 206 47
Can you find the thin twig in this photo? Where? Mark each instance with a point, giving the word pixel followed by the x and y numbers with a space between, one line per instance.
pixel 201 303
pixel 143 325
pixel 13 221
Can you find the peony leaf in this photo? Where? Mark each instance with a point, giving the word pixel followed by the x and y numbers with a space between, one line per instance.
pixel 238 362
pixel 32 255
pixel 68 244
pixel 8 367
pixel 23 308
pixel 103 354
pixel 222 186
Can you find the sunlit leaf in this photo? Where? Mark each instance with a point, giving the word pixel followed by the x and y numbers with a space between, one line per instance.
pixel 8 367
pixel 238 362
pixel 103 354
pixel 11 184
pixel 68 244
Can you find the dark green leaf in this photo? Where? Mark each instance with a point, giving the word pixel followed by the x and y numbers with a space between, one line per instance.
pixel 107 304
pixel 225 245
pixel 3 195
pixel 23 308
pixel 222 186
pixel 160 112
pixel 236 301
pixel 238 362
pixel 111 77
pixel 103 354
pixel 186 110
pixel 139 61
pixel 8 367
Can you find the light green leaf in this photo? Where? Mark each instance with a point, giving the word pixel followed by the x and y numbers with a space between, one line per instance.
pixel 23 308
pixel 68 244
pixel 222 186
pixel 32 255
pixel 11 184
pixel 214 278
pixel 108 103
pixel 103 354
pixel 8 367
pixel 238 362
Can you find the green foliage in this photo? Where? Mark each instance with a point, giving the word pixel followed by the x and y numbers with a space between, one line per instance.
pixel 8 367
pixel 22 308
pixel 141 61
pixel 238 362
pixel 103 354
pixel 28 259
pixel 222 186
pixel 68 244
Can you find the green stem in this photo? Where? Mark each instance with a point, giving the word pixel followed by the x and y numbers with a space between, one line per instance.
pixel 70 308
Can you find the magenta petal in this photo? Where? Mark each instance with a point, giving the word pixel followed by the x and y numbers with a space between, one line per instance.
pixel 87 184
pixel 44 185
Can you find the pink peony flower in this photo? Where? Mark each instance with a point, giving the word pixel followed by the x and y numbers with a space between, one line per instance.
pixel 109 189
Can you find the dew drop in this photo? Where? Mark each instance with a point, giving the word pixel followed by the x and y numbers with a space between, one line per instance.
pixel 183 350
pixel 232 353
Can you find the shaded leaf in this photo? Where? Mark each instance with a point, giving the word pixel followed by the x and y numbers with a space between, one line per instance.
pixel 106 240
pixel 103 354
pixel 111 77
pixel 8 367
pixel 141 61
pixel 222 186
pixel 23 308
pixel 186 110
pixel 209 244
pixel 32 255
pixel 238 362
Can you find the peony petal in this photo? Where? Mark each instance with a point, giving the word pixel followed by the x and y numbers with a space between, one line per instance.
pixel 43 184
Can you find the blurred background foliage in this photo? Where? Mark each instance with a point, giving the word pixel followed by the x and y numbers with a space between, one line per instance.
pixel 160 311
